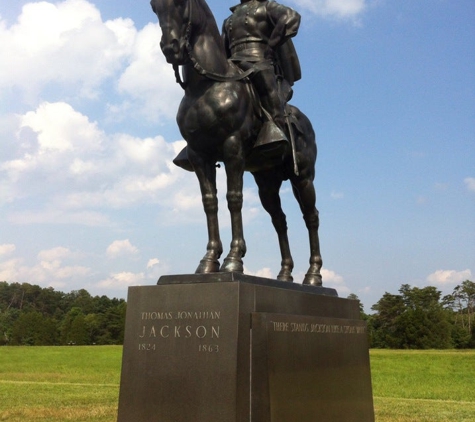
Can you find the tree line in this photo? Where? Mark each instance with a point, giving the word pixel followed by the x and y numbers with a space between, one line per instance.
pixel 36 316
pixel 421 318
pixel 416 318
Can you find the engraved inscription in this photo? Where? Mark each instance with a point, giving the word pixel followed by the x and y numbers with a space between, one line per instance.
pixel 294 327
pixel 158 326
pixel 280 326
pixel 157 315
pixel 209 348
pixel 300 327
pixel 198 315
pixel 145 347
pixel 179 331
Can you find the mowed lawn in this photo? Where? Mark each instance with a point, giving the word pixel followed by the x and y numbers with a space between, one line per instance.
pixel 57 384
pixel 423 385
pixel 70 383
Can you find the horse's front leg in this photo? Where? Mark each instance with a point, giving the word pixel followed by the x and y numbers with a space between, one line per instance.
pixel 234 164
pixel 206 172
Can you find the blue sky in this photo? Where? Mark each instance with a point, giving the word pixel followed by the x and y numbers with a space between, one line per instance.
pixel 89 197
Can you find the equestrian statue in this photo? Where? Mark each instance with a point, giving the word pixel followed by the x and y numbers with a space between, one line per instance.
pixel 235 110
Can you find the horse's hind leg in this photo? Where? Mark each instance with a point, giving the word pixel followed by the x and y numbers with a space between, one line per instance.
pixel 206 173
pixel 234 165
pixel 269 184
pixel 304 192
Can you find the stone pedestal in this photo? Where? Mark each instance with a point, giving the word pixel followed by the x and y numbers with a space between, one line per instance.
pixel 235 348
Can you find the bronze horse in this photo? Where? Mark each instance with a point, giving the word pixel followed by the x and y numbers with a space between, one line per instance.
pixel 220 123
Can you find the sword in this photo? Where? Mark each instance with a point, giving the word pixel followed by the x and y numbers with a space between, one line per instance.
pixel 292 143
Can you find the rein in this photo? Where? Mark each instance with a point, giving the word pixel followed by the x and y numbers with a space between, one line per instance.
pixel 196 65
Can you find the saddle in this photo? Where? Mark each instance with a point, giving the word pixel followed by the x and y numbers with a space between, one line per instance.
pixel 263 155
pixel 272 144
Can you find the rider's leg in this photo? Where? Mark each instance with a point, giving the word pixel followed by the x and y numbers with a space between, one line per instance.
pixel 266 85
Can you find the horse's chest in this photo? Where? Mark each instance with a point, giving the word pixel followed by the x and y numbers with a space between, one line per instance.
pixel 196 118
pixel 212 117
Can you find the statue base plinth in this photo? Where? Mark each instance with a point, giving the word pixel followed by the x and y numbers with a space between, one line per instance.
pixel 235 348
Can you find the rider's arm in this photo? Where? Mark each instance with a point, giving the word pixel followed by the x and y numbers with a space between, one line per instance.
pixel 286 23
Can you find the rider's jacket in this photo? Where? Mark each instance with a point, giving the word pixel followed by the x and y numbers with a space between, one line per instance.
pixel 256 28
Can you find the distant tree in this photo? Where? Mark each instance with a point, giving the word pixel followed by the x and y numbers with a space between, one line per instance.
pixel 79 299
pixel 461 303
pixel 11 296
pixel 425 323
pixel 414 319
pixel 32 315
pixel 385 327
pixel 7 319
pixel 33 329
pixel 49 302
pixel 112 325
pixel 74 329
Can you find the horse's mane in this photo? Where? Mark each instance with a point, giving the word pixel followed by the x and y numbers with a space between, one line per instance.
pixel 205 15
pixel 209 52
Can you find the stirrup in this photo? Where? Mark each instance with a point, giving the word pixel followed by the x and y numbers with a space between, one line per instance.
pixel 271 138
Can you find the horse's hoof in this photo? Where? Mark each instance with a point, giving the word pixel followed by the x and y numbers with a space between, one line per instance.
pixel 208 266
pixel 285 275
pixel 232 265
pixel 312 279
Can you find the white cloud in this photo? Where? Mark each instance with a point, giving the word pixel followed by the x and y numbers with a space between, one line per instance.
pixel 470 183
pixel 152 262
pixel 56 216
pixel 66 43
pixel 49 142
pixel 121 280
pixel 262 272
pixel 49 271
pixel 444 277
pixel 156 268
pixel 66 49
pixel 76 166
pixel 148 79
pixel 187 199
pixel 120 248
pixel 58 151
pixel 336 281
pixel 60 128
pixel 58 267
pixel 53 254
pixel 10 271
pixel 7 248
pixel 340 9
pixel 51 268
pixel 57 271
pixel 332 277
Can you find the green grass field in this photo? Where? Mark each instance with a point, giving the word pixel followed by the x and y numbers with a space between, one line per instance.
pixel 421 385
pixel 57 384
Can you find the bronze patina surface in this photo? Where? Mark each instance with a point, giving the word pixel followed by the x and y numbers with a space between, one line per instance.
pixel 235 110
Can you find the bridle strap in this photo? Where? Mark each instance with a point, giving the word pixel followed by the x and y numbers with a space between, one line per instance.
pixel 196 65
